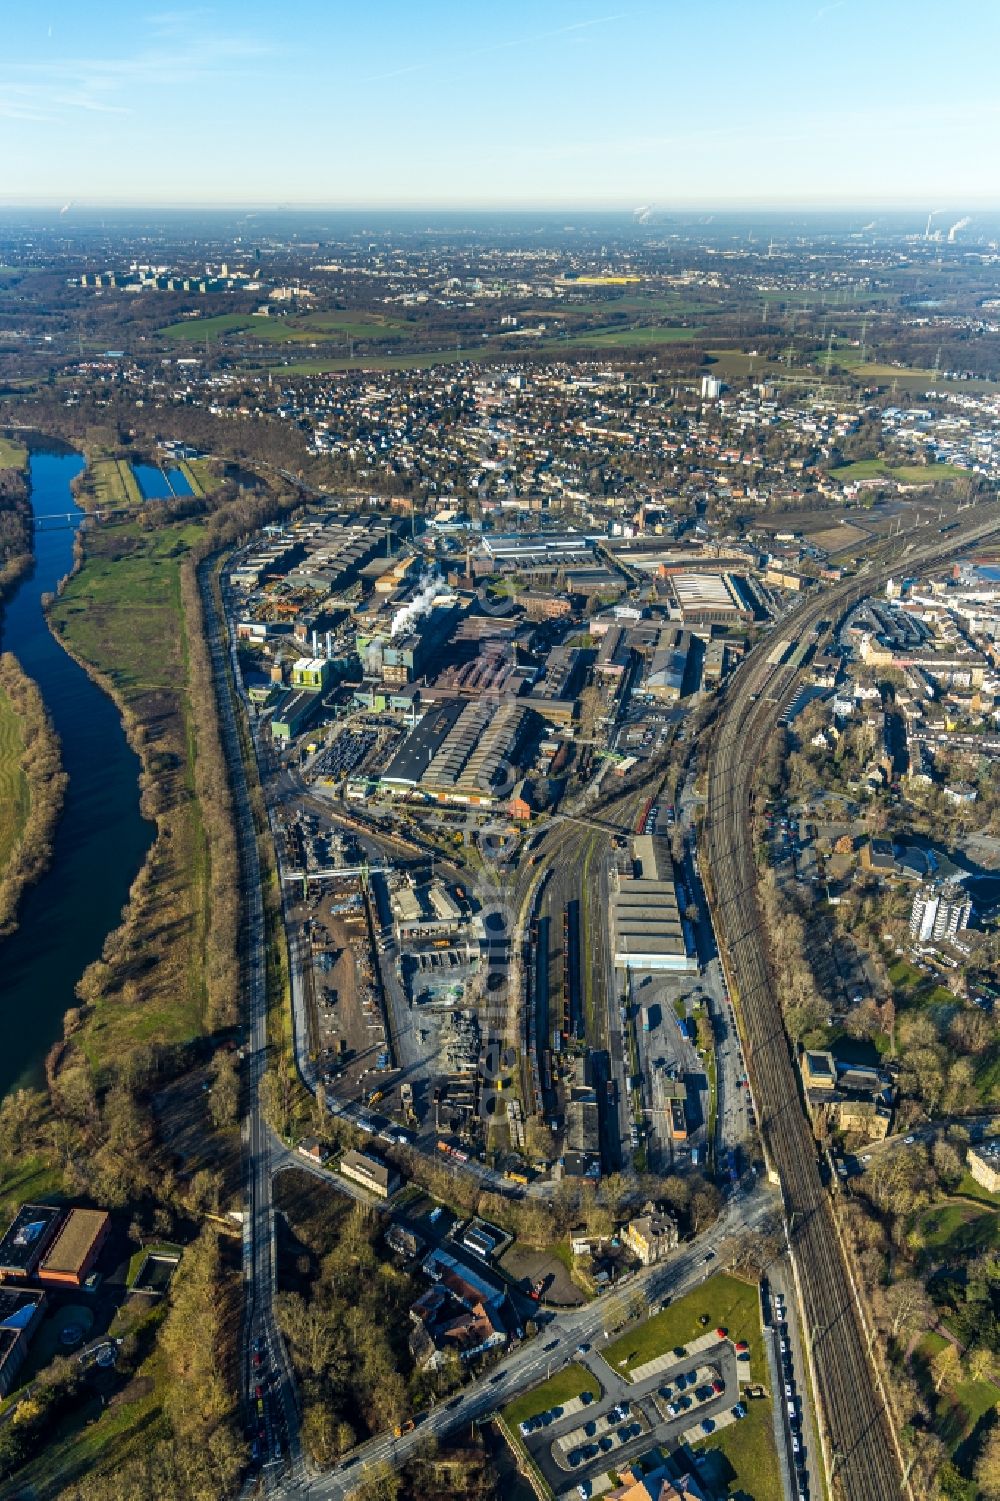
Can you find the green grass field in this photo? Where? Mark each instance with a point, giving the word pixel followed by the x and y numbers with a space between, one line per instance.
pixel 959 1405
pixel 95 1439
pixel 970 1189
pixel 113 483
pixel 311 328
pixel 742 1457
pixel 907 474
pixel 202 475
pixel 122 612
pixel 15 799
pixel 729 1303
pixel 666 304
pixel 35 1182
pixel 746 1464
pixel 957 1230
pixel 560 1389
pixel 13 455
pixel 911 987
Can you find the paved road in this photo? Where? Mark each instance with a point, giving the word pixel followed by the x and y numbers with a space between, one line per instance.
pixel 531 1362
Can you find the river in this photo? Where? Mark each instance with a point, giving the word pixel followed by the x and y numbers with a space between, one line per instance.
pixel 101 839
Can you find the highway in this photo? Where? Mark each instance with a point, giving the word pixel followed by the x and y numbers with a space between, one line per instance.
pixel 861 1446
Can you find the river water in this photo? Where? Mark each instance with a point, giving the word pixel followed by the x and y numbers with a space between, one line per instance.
pixel 101 839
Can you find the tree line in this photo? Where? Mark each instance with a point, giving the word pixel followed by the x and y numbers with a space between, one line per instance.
pixel 15 530
pixel 41 764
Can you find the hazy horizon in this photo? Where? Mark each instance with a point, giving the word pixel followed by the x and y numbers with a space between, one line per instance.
pixel 558 104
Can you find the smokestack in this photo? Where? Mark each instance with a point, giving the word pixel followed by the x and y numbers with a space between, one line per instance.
pixel 329 646
pixel 315 641
pixel 407 615
pixel 373 657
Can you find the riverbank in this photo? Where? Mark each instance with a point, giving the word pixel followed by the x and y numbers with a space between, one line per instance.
pixel 16 557
pixel 101 839
pixel 140 1112
pixel 29 747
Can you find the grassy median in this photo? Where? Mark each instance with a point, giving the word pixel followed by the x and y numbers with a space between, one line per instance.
pixel 572 1381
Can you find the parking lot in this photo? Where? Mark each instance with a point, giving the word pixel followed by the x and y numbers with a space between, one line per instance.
pixel 680 1397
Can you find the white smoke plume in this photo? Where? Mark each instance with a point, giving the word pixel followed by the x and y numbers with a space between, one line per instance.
pixel 953 231
pixel 407 615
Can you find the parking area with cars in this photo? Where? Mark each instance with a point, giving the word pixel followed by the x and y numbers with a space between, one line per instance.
pixel 797 1432
pixel 679 1398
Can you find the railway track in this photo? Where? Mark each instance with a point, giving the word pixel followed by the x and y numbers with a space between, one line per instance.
pixel 862 1448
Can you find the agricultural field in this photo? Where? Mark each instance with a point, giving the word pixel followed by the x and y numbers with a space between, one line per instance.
pixel 389 361
pixel 640 336
pixel 14 794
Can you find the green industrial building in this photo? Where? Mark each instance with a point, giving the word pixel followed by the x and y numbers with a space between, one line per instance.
pixel 294 713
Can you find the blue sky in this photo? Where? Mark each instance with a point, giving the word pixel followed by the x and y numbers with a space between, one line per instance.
pixel 440 103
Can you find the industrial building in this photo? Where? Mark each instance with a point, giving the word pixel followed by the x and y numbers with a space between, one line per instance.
pixel 402 656
pixel 459 750
pixel 704 599
pixel 425 912
pixel 668 664
pixel 294 712
pixel 337 552
pixel 648 931
pixel 582 1122
pixel 531 551
pixel 311 672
